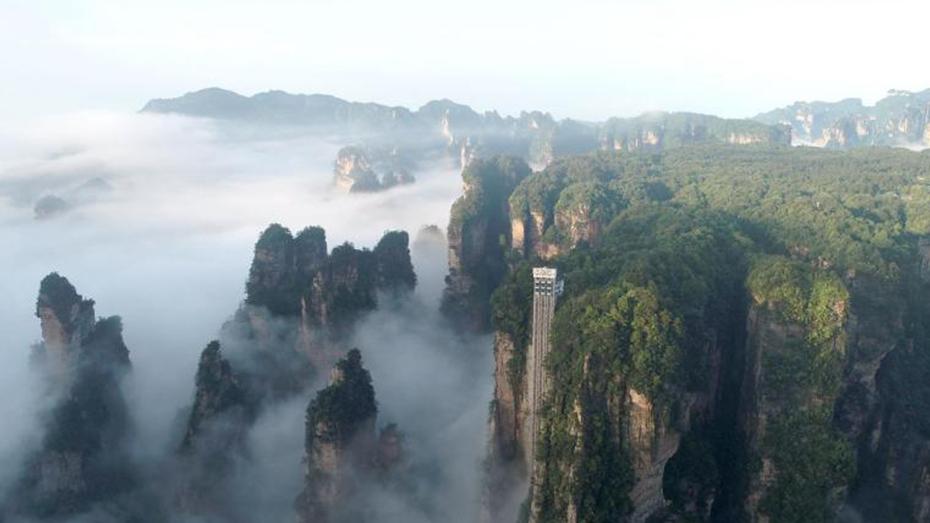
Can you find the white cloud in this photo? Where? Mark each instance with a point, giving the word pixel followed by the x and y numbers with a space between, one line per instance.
pixel 168 248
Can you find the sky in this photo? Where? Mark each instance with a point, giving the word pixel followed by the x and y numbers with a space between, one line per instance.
pixel 586 59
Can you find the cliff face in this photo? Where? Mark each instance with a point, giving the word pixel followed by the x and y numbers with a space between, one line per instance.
pixel 805 420
pixel 478 236
pixel 882 406
pixel 824 380
pixel 299 299
pixel 395 275
pixel 791 382
pixel 787 388
pixel 658 131
pixel 346 459
pixel 632 456
pixel 66 319
pixel 283 266
pixel 901 118
pixel 300 308
pixel 393 136
pixel 218 390
pixel 342 448
pixel 617 442
pixel 566 206
pixel 359 169
pixel 215 436
pixel 508 462
pixel 83 461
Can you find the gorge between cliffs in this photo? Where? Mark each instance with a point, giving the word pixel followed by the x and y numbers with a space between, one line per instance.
pixel 741 336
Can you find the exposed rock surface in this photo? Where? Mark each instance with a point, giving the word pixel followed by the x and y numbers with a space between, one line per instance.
pixel 478 234
pixel 821 391
pixel 361 169
pixel 508 461
pixel 83 462
pixel 294 279
pixel 215 436
pixel 555 216
pixel 806 403
pixel 880 408
pixel 300 308
pixel 66 319
pixel 659 131
pixel 446 128
pixel 395 274
pixel 343 451
pixel 902 118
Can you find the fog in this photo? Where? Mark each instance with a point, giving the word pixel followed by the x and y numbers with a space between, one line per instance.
pixel 161 216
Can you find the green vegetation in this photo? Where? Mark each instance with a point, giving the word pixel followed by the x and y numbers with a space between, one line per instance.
pixel 310 250
pixel 57 292
pixel 803 376
pixel 510 315
pixel 489 182
pixel 811 459
pixel 667 130
pixel 848 210
pixel 88 425
pixel 479 233
pixel 395 270
pixel 342 408
pixel 639 312
pixel 817 299
pixel 686 240
pixel 294 276
pixel 272 280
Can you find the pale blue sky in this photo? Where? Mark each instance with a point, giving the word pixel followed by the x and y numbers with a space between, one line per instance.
pixel 582 58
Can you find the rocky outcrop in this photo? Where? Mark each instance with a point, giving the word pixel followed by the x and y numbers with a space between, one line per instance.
pixel 900 119
pixel 284 267
pixel 478 235
pixel 218 391
pixel 66 319
pixel 635 445
pixel 341 445
pixel 395 274
pixel 508 419
pixel 83 462
pixel 608 450
pixel 301 305
pixel 215 436
pixel 658 131
pixel 359 169
pixel 816 413
pixel 653 441
pixel 445 128
pixel 560 214
pixel 767 336
pixel 507 474
pixel 805 401
pixel 299 298
pixel 880 408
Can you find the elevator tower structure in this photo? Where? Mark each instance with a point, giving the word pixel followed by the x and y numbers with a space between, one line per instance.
pixel 546 289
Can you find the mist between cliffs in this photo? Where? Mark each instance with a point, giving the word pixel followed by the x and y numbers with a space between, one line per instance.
pixel 162 214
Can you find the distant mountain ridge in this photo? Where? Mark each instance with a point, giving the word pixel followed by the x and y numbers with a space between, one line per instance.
pixel 449 128
pixel 900 119
pixel 285 108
